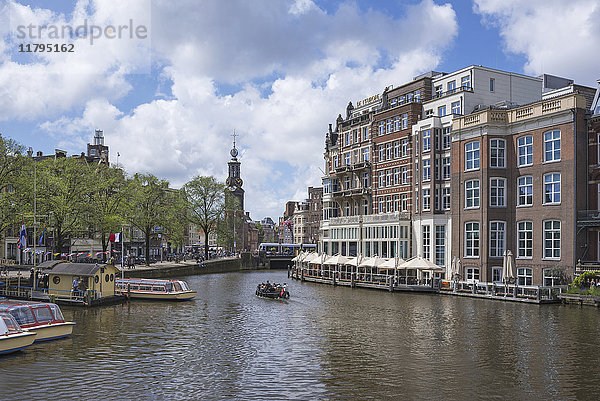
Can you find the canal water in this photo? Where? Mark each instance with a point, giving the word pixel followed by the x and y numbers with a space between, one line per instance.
pixel 324 343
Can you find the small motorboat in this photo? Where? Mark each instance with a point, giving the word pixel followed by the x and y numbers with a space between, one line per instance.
pixel 165 290
pixel 12 337
pixel 45 319
pixel 274 291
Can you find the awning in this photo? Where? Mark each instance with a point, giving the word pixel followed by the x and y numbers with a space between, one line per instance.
pixel 336 260
pixel 420 263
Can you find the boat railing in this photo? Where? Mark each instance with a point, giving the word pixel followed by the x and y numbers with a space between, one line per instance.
pixel 52 295
pixel 504 290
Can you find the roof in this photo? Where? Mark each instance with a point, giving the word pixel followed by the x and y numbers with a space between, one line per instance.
pixel 49 264
pixel 77 269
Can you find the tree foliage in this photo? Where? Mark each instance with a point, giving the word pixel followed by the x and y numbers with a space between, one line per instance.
pixel 205 198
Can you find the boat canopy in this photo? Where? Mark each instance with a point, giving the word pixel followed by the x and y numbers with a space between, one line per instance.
pixel 152 285
pixel 8 324
pixel 33 313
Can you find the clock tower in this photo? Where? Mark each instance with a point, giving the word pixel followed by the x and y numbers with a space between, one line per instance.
pixel 234 181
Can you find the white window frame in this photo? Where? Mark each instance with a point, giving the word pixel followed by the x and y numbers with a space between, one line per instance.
pixel 497 153
pixel 554 237
pixel 525 276
pixel 455 107
pixel 552 185
pixel 472 245
pixel 525 183
pixel 497 192
pixel 472 193
pixel 497 271
pixel 472 156
pixel 426 140
pixel 426 199
pixel 524 239
pixel 550 141
pixel 426 169
pixel 525 150
pixel 497 238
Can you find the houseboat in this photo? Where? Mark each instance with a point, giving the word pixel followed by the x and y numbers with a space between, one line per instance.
pixel 167 290
pixel 12 337
pixel 45 319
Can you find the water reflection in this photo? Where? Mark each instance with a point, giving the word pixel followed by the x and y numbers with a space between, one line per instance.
pixel 324 343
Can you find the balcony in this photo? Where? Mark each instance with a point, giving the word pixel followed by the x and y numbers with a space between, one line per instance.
pixel 440 95
pixel 588 218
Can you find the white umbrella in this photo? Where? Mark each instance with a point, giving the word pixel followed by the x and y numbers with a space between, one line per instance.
pixel 420 263
pixel 336 260
pixel 391 263
pixel 510 265
pixel 375 261
pixel 309 257
pixel 355 261
pixel 299 257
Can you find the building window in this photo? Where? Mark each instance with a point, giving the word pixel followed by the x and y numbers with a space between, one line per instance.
pixel 456 107
pixel 365 206
pixel 388 151
pixel 427 242
pixel 347 138
pixel 417 95
pixel 446 138
pixel 426 199
pixel 465 82
pixel 446 168
pixel 552 146
pixel 365 154
pixel 395 199
pixel 381 153
pixel 552 188
pixel 389 126
pixel 497 274
pixel 525 187
pixel 472 240
pixel 388 204
pixel 396 176
pixel 451 86
pixel 404 121
pixel 365 133
pixel 551 278
pixel 336 162
pixel 347 182
pixel 426 170
pixel 497 239
pixel 472 274
pixel 552 239
pixel 472 156
pixel 525 147
pixel 525 239
pixel 525 276
pixel 404 202
pixel 347 208
pixel 397 123
pixel 404 147
pixel 492 84
pixel 446 198
pixel 396 149
pixel 426 140
pixel 366 180
pixel 438 91
pixel 388 177
pixel 404 175
pixel 441 111
pixel 440 245
pixel 347 159
pixel 381 179
pixel 497 153
pixel 381 204
pixel 497 186
pixel 472 194
pixel 381 127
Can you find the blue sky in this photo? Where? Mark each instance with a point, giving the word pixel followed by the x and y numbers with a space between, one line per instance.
pixel 276 72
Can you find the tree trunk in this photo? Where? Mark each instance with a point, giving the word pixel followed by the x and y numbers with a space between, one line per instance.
pixel 147 247
pixel 206 247
pixel 104 246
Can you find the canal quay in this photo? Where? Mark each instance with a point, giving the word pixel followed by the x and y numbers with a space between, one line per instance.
pixel 325 342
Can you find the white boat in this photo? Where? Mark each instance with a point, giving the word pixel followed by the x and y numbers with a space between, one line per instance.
pixel 12 337
pixel 167 290
pixel 45 319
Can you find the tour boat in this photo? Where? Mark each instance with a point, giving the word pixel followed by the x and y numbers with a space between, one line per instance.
pixel 12 337
pixel 45 319
pixel 167 290
pixel 273 292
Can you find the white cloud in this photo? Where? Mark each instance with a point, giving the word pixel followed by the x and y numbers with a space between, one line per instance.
pixel 296 68
pixel 556 37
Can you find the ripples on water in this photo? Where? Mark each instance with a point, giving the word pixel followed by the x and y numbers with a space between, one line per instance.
pixel 324 343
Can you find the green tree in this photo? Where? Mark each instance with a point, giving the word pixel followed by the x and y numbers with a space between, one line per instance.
pixel 107 202
pixel 206 205
pixel 229 227
pixel 64 192
pixel 147 205
pixel 176 218
pixel 12 183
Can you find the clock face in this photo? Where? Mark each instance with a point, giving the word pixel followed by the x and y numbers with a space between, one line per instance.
pixel 238 182
pixel 234 152
pixel 228 181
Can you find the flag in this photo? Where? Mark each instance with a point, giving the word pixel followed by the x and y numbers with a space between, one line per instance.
pixel 42 237
pixel 115 237
pixel 22 243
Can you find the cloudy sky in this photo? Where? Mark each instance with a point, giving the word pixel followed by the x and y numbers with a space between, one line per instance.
pixel 170 93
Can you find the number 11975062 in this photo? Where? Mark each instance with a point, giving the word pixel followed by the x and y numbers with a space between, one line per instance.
pixel 48 48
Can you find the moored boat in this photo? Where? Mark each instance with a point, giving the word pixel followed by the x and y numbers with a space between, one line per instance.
pixel 45 319
pixel 167 290
pixel 274 291
pixel 12 337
